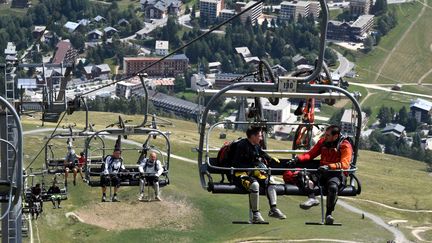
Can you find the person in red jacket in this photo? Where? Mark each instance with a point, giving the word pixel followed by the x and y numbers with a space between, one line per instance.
pixel 336 153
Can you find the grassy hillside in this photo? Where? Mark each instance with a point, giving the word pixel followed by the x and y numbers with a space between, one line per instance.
pixel 412 57
pixel 203 217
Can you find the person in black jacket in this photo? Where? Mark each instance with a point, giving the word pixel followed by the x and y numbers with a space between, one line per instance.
pixel 250 155
pixel 55 191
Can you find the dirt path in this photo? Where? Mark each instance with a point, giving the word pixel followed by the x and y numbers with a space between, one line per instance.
pixel 424 76
pixel 387 206
pixel 399 42
pixel 367 96
pixel 170 213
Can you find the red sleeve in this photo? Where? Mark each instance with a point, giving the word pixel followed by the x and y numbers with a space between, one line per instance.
pixel 313 153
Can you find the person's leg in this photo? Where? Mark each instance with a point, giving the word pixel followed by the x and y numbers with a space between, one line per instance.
pixel 333 185
pixel 254 202
pixel 103 181
pixel 156 188
pixel 81 172
pixel 74 175
pixel 307 183
pixel 58 201
pixel 116 184
pixel 142 188
pixel 53 201
pixel 272 198
pixel 66 175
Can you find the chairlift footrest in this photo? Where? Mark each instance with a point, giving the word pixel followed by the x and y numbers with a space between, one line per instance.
pixel 320 223
pixel 249 222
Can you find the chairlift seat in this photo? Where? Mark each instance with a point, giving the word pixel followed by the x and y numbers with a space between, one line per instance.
pixel 352 188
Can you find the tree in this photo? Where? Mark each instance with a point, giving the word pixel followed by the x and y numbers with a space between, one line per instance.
pixel 368 44
pixel 385 116
pixel 402 117
pixel 411 124
pixel 368 111
pixel 179 84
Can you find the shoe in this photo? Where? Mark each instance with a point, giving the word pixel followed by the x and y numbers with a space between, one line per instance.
pixel 74 183
pixel 115 199
pixel 276 213
pixel 58 206
pixel 54 207
pixel 141 197
pixel 257 218
pixel 329 220
pixel 157 198
pixel 310 202
pixel 103 198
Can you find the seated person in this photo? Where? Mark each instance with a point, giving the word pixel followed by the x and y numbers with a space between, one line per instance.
pixel 36 195
pixel 249 154
pixel 82 160
pixel 112 165
pixel 70 164
pixel 336 153
pixel 150 169
pixel 54 191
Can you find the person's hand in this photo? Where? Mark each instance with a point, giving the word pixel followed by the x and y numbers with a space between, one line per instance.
pixel 323 168
pixel 276 160
pixel 291 163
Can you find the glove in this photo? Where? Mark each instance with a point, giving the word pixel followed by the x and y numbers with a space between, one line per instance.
pixel 292 162
pixel 274 159
pixel 323 168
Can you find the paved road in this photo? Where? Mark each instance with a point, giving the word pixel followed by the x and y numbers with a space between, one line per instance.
pixel 344 65
pixel 374 86
pixel 185 19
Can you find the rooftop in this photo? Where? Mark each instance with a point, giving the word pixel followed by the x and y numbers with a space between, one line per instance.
pixel 421 104
pixel 161 45
pixel 71 25
pixel 393 127
pixel 361 21
pixel 295 3
pixel 62 48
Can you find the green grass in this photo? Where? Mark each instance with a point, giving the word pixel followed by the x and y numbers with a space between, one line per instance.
pixel 188 95
pixel 386 179
pixel 418 89
pixel 412 57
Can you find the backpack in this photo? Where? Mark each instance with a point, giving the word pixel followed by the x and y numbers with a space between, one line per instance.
pixel 111 159
pixel 225 156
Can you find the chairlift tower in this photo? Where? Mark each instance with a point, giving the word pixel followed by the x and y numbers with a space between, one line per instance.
pixel 11 140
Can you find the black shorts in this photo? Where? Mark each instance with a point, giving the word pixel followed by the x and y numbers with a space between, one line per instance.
pixel 107 180
pixel 151 180
pixel 70 167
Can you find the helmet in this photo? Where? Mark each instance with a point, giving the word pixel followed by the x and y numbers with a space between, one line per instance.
pixel 290 177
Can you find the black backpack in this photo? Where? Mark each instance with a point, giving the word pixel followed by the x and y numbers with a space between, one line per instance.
pixel 225 157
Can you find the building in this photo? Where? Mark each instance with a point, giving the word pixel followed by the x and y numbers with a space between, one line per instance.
pixel 199 81
pixel 277 113
pixel 167 83
pixel 110 31
pixel 314 8
pixel 169 67
pixel 345 31
pixel 214 67
pixel 253 13
pixel 226 14
pixel 291 10
pixel 421 110
pixel 20 3
pixel 10 53
pixel 396 130
pixel 361 27
pixel 162 48
pixel 175 105
pixel 38 31
pixel 99 19
pixel 65 53
pixel 349 122
pixel 224 79
pixel 128 88
pixel 359 7
pixel 210 10
pixel 158 9
pixel 94 35
pixel 71 26
pixel 299 60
